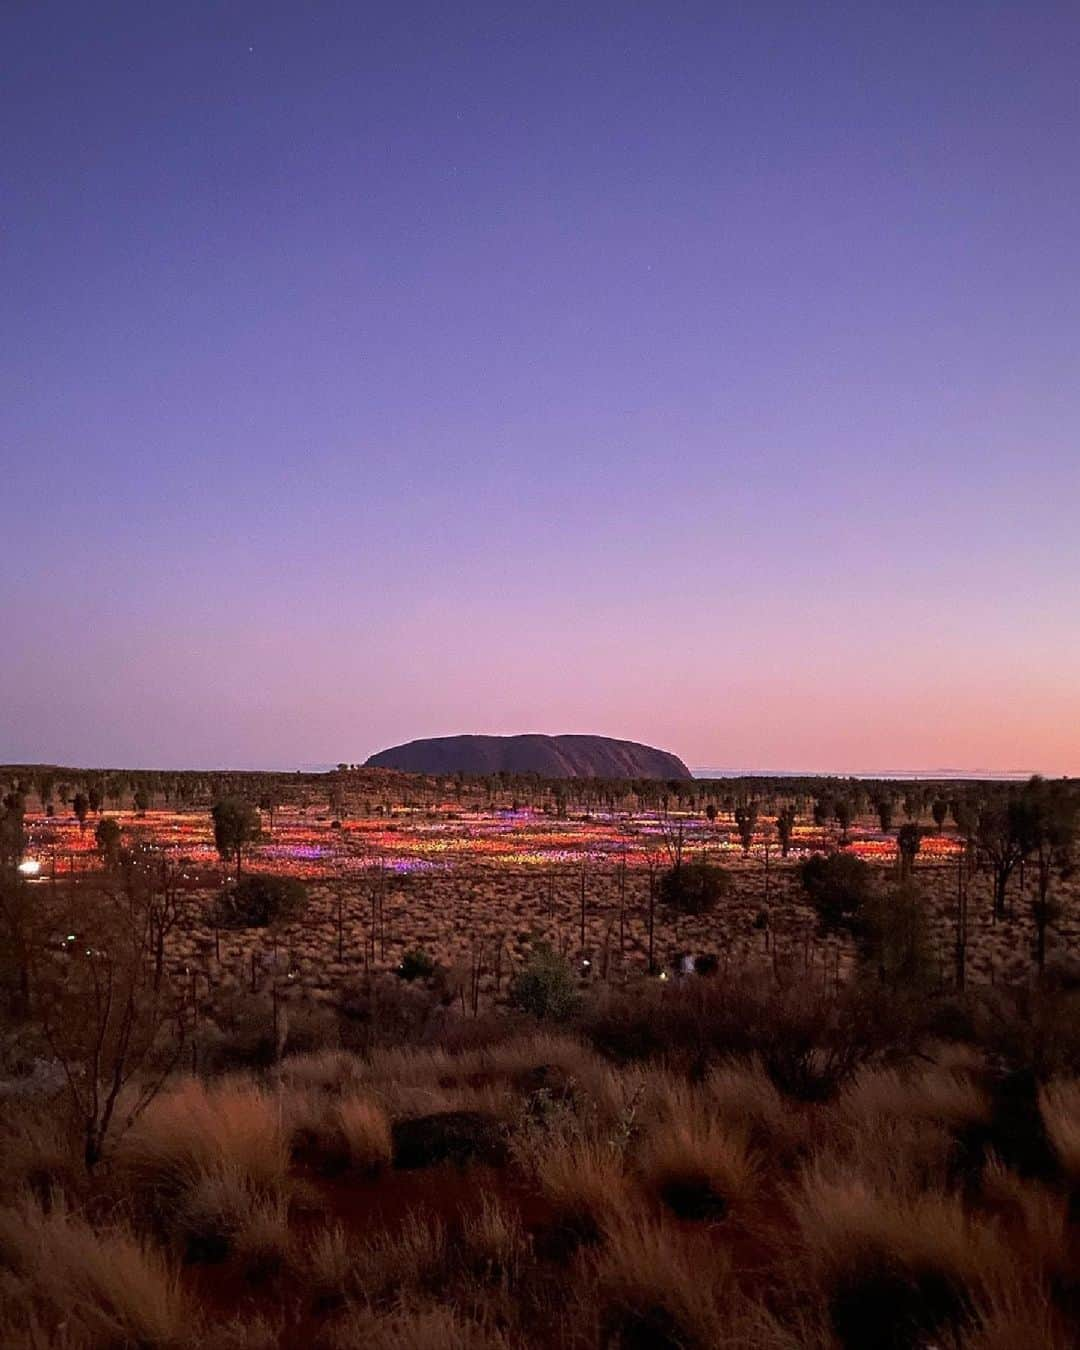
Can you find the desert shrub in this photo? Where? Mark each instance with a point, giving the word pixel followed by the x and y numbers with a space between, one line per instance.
pixel 448 1136
pixel 894 937
pixel 546 986
pixel 416 964
pixel 838 885
pixel 244 1031
pixel 380 1009
pixel 808 1040
pixel 694 887
pixel 258 900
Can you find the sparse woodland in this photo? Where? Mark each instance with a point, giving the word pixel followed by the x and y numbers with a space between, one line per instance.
pixel 716 1097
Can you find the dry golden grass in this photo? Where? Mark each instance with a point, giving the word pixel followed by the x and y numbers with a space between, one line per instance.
pixel 1060 1105
pixel 323 1070
pixel 193 1129
pixel 223 1212
pixel 1016 1317
pixel 915 1257
pixel 699 1168
pixel 436 1328
pixel 655 1288
pixel 742 1094
pixel 584 1183
pixel 493 1243
pixel 330 1258
pixel 365 1130
pixel 38 1153
pixel 412 1259
pixel 100 1287
pixel 945 1096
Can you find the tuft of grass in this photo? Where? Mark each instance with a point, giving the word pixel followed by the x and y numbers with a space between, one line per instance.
pixel 655 1289
pixel 365 1130
pixel 38 1154
pixel 944 1096
pixel 584 1183
pixel 437 1328
pixel 742 1094
pixel 193 1130
pixel 892 1264
pixel 493 1243
pixel 330 1261
pixel 222 1212
pixel 97 1287
pixel 415 1258
pixel 697 1167
pixel 1059 1103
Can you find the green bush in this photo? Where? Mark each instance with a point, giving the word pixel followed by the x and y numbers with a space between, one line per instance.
pixel 258 900
pixel 416 965
pixel 838 886
pixel 695 887
pixel 546 986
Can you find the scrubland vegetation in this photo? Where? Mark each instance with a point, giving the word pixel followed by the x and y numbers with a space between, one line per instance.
pixel 741 1144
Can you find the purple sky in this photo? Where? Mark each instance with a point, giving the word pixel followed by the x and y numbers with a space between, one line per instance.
pixel 703 374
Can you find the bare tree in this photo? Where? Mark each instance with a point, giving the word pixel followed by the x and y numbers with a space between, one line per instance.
pixel 116 1030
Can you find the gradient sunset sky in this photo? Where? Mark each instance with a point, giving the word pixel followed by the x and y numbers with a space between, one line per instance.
pixel 703 374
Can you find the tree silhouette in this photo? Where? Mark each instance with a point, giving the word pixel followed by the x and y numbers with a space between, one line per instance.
pixel 236 824
pixel 908 841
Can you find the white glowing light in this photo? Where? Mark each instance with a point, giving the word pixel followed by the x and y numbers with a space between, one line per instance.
pixel 29 867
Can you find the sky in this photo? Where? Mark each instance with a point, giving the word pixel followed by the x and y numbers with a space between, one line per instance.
pixel 702 374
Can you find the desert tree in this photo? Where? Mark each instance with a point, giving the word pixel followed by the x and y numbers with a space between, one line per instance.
pixel 694 887
pixel 1051 832
pixel 908 843
pixel 269 802
pixel 894 936
pixel 939 809
pixel 80 804
pixel 844 812
pixel 236 825
pixel 107 838
pixel 746 815
pixel 12 828
pixel 838 885
pixel 884 806
pixel 116 1032
pixel 1003 839
pixel 785 826
pixel 20 920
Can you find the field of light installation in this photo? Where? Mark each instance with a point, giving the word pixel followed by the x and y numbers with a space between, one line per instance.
pixel 477 886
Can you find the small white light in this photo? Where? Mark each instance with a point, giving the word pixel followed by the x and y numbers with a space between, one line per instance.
pixel 71 937
pixel 29 867
pixel 663 974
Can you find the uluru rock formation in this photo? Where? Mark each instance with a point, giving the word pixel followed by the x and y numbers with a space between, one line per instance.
pixel 548 756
